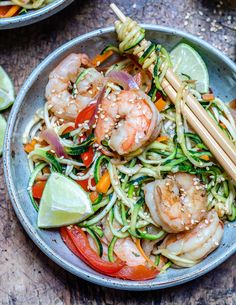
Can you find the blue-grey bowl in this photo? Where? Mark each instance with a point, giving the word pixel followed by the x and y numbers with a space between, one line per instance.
pixel 34 15
pixel 222 79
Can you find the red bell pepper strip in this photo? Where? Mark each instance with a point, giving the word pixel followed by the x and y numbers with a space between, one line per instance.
pixel 3 10
pixel 84 183
pixel 76 240
pixel 85 115
pixel 136 273
pixel 88 255
pixel 67 240
pixel 37 189
pixel 87 157
pixel 68 129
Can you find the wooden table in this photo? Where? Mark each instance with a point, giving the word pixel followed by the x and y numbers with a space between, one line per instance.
pixel 27 276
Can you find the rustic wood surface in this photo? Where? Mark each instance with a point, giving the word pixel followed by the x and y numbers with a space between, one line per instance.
pixel 27 276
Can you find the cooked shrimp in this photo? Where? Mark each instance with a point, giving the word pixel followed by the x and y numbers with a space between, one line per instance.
pixel 124 248
pixel 197 243
pixel 128 120
pixel 177 202
pixel 127 251
pixel 62 80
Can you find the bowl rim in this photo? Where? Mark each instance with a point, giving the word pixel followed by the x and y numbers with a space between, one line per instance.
pixel 94 278
pixel 34 15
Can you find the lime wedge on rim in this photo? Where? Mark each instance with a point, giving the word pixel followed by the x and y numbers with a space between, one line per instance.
pixel 63 202
pixel 3 125
pixel 187 62
pixel 6 90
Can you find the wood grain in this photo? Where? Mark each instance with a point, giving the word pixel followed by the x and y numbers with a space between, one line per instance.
pixel 27 276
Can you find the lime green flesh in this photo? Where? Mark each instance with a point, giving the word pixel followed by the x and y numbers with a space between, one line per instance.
pixel 3 125
pixel 187 61
pixel 6 90
pixel 63 202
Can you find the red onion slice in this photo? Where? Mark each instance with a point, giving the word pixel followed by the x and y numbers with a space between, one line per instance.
pixel 123 79
pixel 50 136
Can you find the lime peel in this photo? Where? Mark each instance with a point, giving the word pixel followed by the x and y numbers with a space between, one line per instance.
pixel 63 202
pixel 7 94
pixel 3 125
pixel 187 61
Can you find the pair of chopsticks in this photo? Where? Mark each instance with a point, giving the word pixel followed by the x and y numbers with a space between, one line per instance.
pixel 218 143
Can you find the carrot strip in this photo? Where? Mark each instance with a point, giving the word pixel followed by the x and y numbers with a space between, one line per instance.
pixel 144 254
pixel 162 139
pixel 93 196
pixel 12 11
pixel 100 58
pixel 208 97
pixel 30 146
pixel 46 170
pixel 205 157
pixel 104 183
pixel 160 104
pixel 222 125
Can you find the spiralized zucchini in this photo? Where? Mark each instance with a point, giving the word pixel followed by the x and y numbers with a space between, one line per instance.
pixel 32 4
pixel 151 55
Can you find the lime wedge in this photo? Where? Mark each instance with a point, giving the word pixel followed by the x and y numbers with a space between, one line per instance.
pixel 187 62
pixel 3 125
pixel 63 202
pixel 6 90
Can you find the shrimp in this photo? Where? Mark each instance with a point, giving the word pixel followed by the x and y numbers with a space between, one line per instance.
pixel 177 202
pixel 125 249
pixel 61 83
pixel 196 244
pixel 128 120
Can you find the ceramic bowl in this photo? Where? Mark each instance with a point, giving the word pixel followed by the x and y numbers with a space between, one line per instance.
pixel 222 79
pixel 34 16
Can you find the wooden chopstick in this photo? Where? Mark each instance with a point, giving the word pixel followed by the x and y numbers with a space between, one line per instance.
pixel 200 129
pixel 210 133
pixel 205 119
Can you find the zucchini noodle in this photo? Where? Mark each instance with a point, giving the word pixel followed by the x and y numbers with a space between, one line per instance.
pixel 31 4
